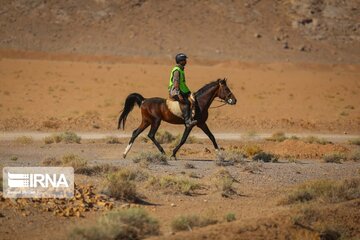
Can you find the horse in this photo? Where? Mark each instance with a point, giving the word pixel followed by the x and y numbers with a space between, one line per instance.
pixel 154 110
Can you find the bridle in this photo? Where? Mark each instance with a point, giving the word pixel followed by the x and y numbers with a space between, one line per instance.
pixel 225 101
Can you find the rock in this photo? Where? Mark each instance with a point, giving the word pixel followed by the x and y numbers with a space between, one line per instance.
pixel 285 45
pixel 173 205
pixel 257 35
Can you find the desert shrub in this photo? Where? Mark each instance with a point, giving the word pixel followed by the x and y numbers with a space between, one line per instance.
pixel 187 223
pixel 72 160
pixel 51 161
pixel 325 191
pixel 230 217
pixel 24 140
pixel 224 182
pixel 121 185
pixel 97 169
pixel 312 139
pixel 127 224
pixel 253 167
pixel 14 158
pixel 57 137
pixel 189 166
pixel 251 150
pixel 175 185
pixel 355 141
pixel 112 140
pixel 277 137
pixel 70 137
pixel 265 157
pixel 149 157
pixel 229 158
pixel 164 137
pixel 49 140
pixel 334 157
pixel 355 155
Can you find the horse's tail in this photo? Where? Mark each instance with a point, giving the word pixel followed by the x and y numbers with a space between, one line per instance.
pixel 130 102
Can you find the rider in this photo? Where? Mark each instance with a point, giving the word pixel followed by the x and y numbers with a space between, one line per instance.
pixel 178 89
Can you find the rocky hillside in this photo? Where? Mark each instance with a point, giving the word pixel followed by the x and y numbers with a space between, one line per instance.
pixel 247 30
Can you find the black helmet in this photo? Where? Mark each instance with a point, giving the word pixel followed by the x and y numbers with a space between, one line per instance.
pixel 180 57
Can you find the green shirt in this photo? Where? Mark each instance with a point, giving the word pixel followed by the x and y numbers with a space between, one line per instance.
pixel 182 84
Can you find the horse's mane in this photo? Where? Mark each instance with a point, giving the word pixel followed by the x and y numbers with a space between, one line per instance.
pixel 206 87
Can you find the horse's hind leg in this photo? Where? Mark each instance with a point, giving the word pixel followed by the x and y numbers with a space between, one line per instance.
pixel 182 141
pixel 136 133
pixel 154 127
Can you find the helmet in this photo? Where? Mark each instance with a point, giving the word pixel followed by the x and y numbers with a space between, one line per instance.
pixel 180 57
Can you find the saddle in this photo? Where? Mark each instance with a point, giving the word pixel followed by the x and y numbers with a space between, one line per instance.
pixel 175 106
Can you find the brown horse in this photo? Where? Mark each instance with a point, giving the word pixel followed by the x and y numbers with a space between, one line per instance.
pixel 154 110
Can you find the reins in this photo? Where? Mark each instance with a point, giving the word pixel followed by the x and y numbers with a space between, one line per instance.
pixel 221 105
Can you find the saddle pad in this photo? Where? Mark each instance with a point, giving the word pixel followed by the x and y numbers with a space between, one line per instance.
pixel 174 108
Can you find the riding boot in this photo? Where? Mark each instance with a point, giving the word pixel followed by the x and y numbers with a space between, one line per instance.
pixel 187 117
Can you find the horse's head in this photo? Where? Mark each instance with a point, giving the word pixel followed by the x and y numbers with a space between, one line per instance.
pixel 225 93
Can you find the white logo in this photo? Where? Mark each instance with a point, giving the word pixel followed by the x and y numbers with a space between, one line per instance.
pixel 27 182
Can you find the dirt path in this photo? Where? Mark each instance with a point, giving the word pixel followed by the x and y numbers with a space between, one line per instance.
pixel 338 138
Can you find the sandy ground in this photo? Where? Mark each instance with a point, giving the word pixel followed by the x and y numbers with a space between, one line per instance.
pixel 42 94
pixel 259 191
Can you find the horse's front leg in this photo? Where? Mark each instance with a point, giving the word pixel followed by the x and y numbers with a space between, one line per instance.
pixel 207 131
pixel 182 141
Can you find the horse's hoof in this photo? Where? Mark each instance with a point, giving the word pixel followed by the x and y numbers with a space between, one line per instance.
pixel 124 156
pixel 173 157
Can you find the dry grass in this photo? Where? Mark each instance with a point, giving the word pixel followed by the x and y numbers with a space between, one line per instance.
pixel 355 155
pixel 230 217
pixel 70 137
pixel 265 157
pixel 251 149
pixel 121 185
pixel 188 223
pixel 312 140
pixel 189 140
pixel 355 141
pixel 230 158
pixel 334 157
pixel 164 137
pixel 49 140
pixel 112 140
pixel 224 182
pixel 133 223
pixel 175 185
pixel 189 166
pixel 325 191
pixel 277 137
pixel 24 140
pixel 151 158
pixel 73 160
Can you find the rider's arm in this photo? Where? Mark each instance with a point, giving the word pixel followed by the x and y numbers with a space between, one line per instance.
pixel 176 80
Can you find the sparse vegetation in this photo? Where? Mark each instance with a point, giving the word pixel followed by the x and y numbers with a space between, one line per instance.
pixel 325 191
pixel 70 137
pixel 312 139
pixel 164 137
pixel 251 149
pixel 175 185
pixel 229 158
pixel 277 137
pixel 253 167
pixel 230 217
pixel 73 160
pixel 355 141
pixel 334 157
pixel 24 140
pixel 51 161
pixel 112 140
pixel 265 157
pixel 189 166
pixel 149 157
pixel 49 140
pixel 96 170
pixel 224 183
pixel 187 223
pixel 132 223
pixel 14 158
pixel 189 140
pixel 355 155
pixel 121 185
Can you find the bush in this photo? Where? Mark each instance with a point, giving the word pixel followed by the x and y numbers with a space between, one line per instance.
pixel 334 157
pixel 24 140
pixel 251 150
pixel 14 158
pixel 265 157
pixel 312 139
pixel 70 137
pixel 187 223
pixel 230 158
pixel 112 140
pixel 224 183
pixel 164 137
pixel 75 161
pixel 175 185
pixel 121 184
pixel 132 223
pixel 97 169
pixel 49 140
pixel 355 155
pixel 355 141
pixel 149 157
pixel 325 191
pixel 51 161
pixel 230 217
pixel 277 137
